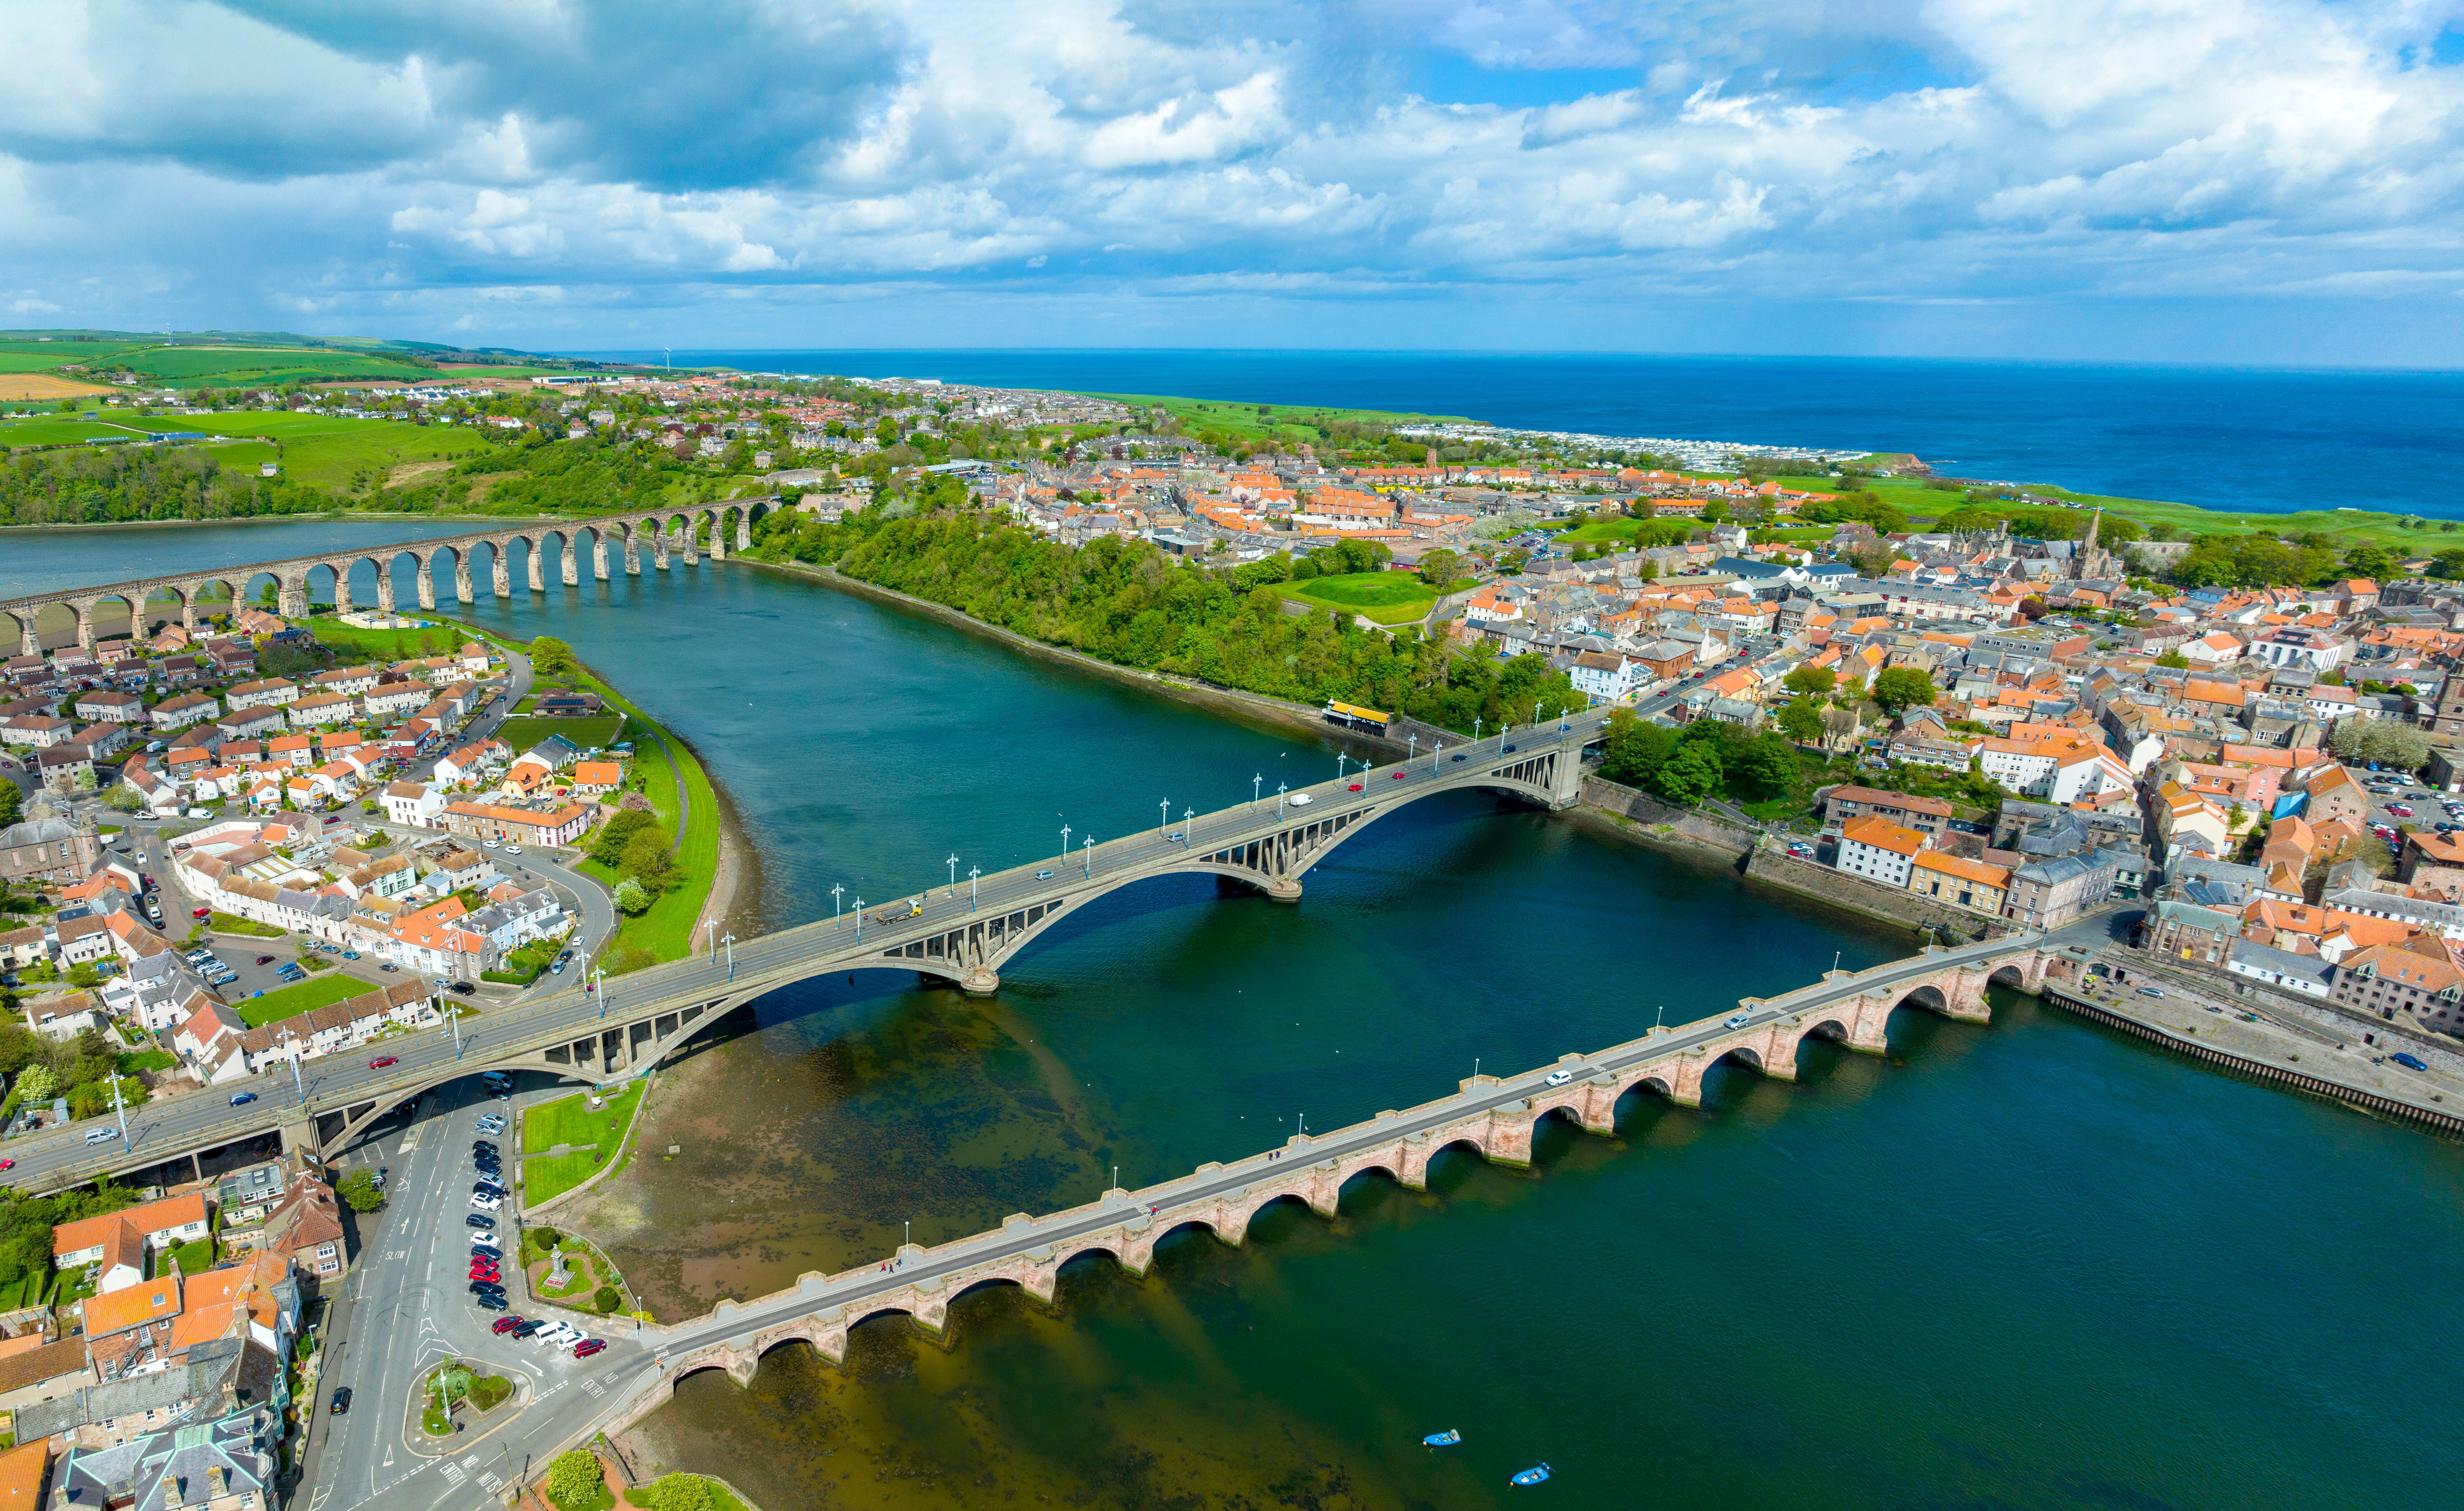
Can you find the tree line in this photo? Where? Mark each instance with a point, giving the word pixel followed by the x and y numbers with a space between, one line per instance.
pixel 1126 602
pixel 110 484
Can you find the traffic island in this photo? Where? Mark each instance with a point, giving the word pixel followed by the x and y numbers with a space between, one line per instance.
pixel 456 1395
pixel 562 1270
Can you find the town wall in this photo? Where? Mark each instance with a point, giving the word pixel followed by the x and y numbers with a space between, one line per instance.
pixel 1637 811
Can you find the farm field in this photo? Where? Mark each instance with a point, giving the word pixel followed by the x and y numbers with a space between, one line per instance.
pixel 193 365
pixel 389 645
pixel 335 451
pixel 44 386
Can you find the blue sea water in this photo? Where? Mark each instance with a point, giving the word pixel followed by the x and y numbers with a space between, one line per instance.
pixel 2260 440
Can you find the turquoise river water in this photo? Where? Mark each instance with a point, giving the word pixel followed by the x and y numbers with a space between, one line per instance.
pixel 2030 1264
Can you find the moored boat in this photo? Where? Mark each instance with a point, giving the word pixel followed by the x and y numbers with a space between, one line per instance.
pixel 1532 1476
pixel 1445 1439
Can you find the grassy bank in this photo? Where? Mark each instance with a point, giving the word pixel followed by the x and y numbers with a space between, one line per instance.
pixel 664 764
pixel 1382 597
pixel 570 1120
pixel 306 997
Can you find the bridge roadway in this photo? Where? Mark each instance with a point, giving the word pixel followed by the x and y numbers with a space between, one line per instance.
pixel 1268 844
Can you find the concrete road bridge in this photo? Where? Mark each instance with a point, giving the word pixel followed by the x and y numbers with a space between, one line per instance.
pixel 1493 1116
pixel 963 934
pixel 652 539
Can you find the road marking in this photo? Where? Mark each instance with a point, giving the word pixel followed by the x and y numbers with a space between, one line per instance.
pixel 594 1388
pixel 453 1474
pixel 488 1483
pixel 389 1457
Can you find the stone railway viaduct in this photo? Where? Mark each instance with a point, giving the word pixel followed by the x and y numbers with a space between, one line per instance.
pixel 1494 1117
pixel 653 538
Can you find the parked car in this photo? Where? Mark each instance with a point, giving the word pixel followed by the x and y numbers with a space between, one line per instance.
pixel 2151 991
pixel 463 988
pixel 201 913
pixel 587 1347
pixel 505 1325
pixel 490 1304
pixel 487 1203
pixel 528 1328
pixel 479 1219
pixel 265 959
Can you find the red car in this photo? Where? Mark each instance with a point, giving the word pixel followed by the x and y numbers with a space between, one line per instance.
pixel 1398 776
pixel 505 1324
pixel 587 1347
pixel 8 1163
pixel 202 912
pixel 382 1060
pixel 1355 786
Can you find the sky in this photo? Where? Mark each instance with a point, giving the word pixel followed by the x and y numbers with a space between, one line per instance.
pixel 2256 182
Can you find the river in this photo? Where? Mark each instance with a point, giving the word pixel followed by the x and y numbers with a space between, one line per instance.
pixel 2030 1264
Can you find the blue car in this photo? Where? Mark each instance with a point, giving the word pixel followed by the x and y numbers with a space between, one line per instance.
pixel 243 1099
pixel 2410 1061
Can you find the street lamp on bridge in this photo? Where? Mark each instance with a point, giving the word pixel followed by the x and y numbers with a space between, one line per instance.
pixel 836 908
pixel 730 942
pixel 1065 842
pixel 1165 823
pixel 1340 759
pixel 1091 857
pixel 1280 788
pixel 859 920
pixel 954 873
pixel 1255 783
pixel 972 871
pixel 1412 744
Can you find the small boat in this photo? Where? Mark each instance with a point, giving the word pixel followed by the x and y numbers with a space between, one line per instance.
pixel 1532 1476
pixel 1445 1439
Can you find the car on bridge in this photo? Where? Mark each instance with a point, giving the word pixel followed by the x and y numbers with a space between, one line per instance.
pixel 1300 799
pixel 1739 1019
pixel 382 1060
pixel 1355 786
pixel 1397 775
pixel 1558 1077
pixel 243 1099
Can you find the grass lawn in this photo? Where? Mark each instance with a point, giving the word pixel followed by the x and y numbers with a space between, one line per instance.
pixel 388 645
pixel 586 734
pixel 1387 597
pixel 147 1060
pixel 234 924
pixel 570 1120
pixel 306 997
pixel 194 1258
pixel 546 1177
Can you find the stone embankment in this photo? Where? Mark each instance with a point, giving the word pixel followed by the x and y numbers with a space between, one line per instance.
pixel 1776 867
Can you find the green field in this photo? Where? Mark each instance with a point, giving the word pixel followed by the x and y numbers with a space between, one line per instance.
pixel 55 432
pixel 1384 597
pixel 569 1120
pixel 332 450
pixel 218 365
pixel 388 645
pixel 1260 422
pixel 590 733
pixel 306 997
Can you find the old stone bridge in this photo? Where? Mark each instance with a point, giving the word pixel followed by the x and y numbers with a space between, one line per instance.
pixel 654 537
pixel 1495 1117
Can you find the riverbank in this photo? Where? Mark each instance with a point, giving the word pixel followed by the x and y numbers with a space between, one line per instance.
pixel 707 838
pixel 1280 712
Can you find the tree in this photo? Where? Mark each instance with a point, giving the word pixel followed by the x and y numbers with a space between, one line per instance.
pixel 1874 558
pixel 645 859
pixel 1441 567
pixel 2368 560
pixel 1800 720
pixel 1635 747
pixel 358 1187
pixel 674 1493
pixel 1898 687
pixel 2447 565
pixel 551 656
pixel 607 847
pixel 2387 742
pixel 1814 681
pixel 574 1479
pixel 1691 773
pixel 38 1082
pixel 633 898
pixel 1767 763
pixel 12 802
pixel 81 976
pixel 2174 659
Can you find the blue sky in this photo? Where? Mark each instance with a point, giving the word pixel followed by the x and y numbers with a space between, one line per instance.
pixel 2241 180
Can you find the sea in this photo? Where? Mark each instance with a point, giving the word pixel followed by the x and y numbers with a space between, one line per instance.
pixel 2247 439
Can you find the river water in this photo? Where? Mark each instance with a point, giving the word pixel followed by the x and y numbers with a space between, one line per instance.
pixel 2030 1264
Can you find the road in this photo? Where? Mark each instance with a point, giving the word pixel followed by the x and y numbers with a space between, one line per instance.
pixel 335 1082
pixel 406 1307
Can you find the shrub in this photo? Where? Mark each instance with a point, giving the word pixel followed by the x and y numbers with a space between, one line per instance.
pixel 574 1479
pixel 606 1299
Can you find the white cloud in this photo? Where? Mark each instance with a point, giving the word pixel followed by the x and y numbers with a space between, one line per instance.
pixel 1983 150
